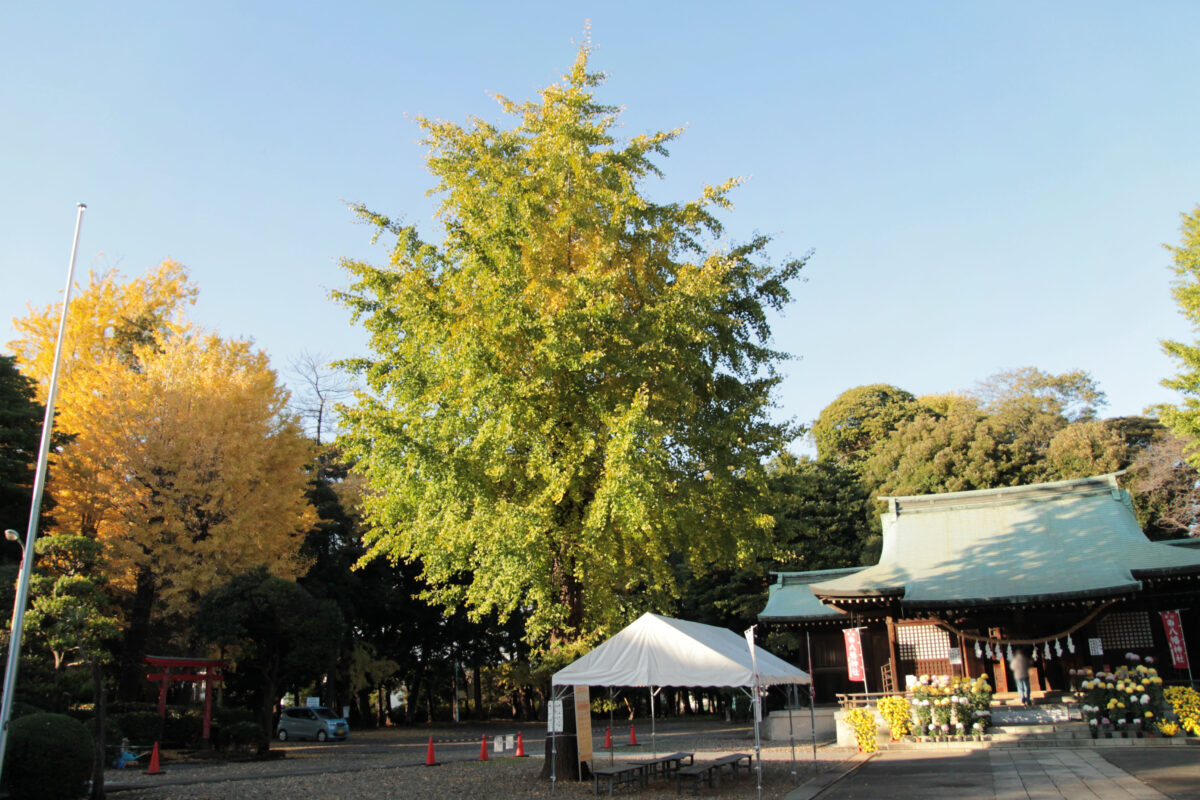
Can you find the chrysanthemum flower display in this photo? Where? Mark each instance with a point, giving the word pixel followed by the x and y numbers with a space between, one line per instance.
pixel 943 704
pixel 1124 697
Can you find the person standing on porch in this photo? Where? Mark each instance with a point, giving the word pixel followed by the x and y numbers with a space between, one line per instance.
pixel 1020 672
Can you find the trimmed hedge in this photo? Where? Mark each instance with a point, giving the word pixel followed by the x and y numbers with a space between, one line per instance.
pixel 49 757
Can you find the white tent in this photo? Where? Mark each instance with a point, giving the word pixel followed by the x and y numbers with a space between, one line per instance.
pixel 660 651
pixel 657 651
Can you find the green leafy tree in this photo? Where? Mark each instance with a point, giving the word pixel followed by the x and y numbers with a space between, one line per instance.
pixel 1165 488
pixel 277 634
pixel 1075 396
pixel 848 429
pixel 574 384
pixel 999 435
pixel 20 435
pixel 824 518
pixel 1098 446
pixel 72 615
pixel 950 451
pixel 1184 419
pixel 824 515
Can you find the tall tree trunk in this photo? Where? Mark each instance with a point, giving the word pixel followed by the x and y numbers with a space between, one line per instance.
pixel 133 648
pixel 563 751
pixel 479 715
pixel 267 716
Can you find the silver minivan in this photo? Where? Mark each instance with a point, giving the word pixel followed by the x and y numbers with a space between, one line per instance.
pixel 311 722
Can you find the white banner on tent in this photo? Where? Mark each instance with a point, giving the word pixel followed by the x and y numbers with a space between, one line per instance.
pixel 554 717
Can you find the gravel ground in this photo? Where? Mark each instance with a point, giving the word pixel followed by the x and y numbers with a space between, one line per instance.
pixel 390 764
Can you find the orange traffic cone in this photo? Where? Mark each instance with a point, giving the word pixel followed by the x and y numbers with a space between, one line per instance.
pixel 520 747
pixel 154 768
pixel 483 756
pixel 632 736
pixel 430 761
pixel 608 738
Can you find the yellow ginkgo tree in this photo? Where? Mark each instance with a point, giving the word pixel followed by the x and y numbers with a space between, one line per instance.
pixel 183 461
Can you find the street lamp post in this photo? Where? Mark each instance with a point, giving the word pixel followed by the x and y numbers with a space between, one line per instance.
pixel 35 508
pixel 13 536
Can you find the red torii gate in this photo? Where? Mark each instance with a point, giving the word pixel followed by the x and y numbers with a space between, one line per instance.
pixel 210 676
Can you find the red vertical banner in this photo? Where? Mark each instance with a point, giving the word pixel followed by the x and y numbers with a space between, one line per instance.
pixel 854 654
pixel 1175 641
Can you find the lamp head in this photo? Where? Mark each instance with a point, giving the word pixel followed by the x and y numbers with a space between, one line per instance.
pixel 12 535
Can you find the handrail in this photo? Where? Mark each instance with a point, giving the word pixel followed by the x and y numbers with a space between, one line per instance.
pixel 864 699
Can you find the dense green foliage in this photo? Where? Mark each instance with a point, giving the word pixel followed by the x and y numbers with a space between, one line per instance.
pixel 1184 419
pixel 49 757
pixel 276 633
pixel 858 419
pixel 20 433
pixel 1018 427
pixel 574 385
pixel 822 515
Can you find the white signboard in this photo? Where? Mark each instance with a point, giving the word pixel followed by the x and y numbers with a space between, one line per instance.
pixel 554 717
pixel 1095 648
pixel 312 702
pixel 955 655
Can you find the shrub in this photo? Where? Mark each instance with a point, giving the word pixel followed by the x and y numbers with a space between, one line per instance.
pixel 243 735
pixel 49 757
pixel 897 713
pixel 184 727
pixel 862 722
pixel 112 728
pixel 140 727
pixel 224 722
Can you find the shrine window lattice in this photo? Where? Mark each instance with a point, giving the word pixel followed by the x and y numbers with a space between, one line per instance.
pixel 922 643
pixel 1125 631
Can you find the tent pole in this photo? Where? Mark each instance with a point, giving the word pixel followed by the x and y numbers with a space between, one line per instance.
pixel 791 731
pixel 812 697
pixel 559 695
pixel 754 705
pixel 653 731
pixel 611 705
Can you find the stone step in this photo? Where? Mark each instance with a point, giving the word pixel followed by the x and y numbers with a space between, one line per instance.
pixel 1062 739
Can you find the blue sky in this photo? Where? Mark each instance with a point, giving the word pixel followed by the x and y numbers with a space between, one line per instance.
pixel 984 185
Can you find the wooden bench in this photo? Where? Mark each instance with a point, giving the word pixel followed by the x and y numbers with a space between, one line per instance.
pixel 733 761
pixel 618 774
pixel 664 764
pixel 710 771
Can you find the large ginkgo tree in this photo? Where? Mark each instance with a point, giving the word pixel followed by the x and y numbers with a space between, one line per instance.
pixel 569 394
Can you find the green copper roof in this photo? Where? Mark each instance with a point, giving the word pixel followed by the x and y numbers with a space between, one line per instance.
pixel 1067 539
pixel 791 597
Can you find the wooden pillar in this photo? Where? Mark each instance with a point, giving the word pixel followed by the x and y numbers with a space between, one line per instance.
pixel 162 692
pixel 894 655
pixel 208 690
pixel 1001 666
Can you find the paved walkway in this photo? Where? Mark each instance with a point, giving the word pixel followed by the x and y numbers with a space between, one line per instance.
pixel 1081 774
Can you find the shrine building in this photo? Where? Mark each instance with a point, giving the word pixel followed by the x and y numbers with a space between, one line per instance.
pixel 1061 569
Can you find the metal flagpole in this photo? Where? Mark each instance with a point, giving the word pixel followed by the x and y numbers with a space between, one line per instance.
pixel 35 509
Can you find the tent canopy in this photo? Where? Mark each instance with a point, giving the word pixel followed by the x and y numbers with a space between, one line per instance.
pixel 661 651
